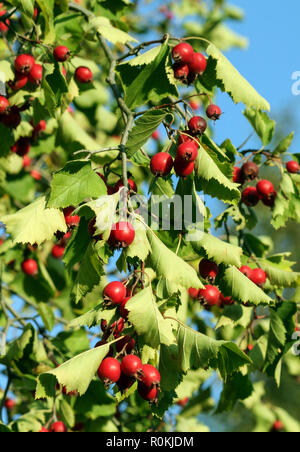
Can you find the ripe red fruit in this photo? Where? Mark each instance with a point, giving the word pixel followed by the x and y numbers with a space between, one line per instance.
pixel 36 175
pixel 247 271
pixel 24 63
pixel 114 292
pixel 12 119
pixel 237 175
pixel 4 25
pixel 36 74
pixel 44 430
pixel 250 170
pixel 197 125
pixel 193 293
pixel 155 135
pixel 227 301
pixel 269 201
pixel 83 75
pixel 208 270
pixel 124 383
pixel 132 366
pixel 183 402
pixel 30 267
pixel 187 151
pixel 182 53
pixel 258 276
pixel 58 427
pixel 210 295
pixel 118 327
pixel 40 127
pixel 123 311
pixel 194 105
pixel 185 137
pixel 9 404
pixel 148 394
pixel 4 105
pixel 127 343
pixel 71 220
pixel 277 426
pixel 19 82
pixel 293 167
pixel 151 377
pixel 21 147
pixel 161 164
pixel 213 112
pixel 265 188
pixel 250 196
pixel 61 53
pixel 58 251
pixel 26 161
pixel 183 168
pixel 109 371
pixel 198 63
pixel 122 235
pixel 181 72
pixel 132 185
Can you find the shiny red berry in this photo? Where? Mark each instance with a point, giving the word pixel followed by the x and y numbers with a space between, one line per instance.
pixel 185 137
pixel 182 53
pixel 36 74
pixel 109 371
pixel 237 175
pixel 213 112
pixel 208 270
pixel 187 151
pixel 4 26
pixel 258 276
pixel 4 105
pixel 58 251
pixel 26 161
pixel 132 185
pixel 161 164
pixel 148 394
pixel 126 344
pixel 19 82
pixel 123 311
pixel 183 168
pixel 10 404
pixel 83 75
pixel 197 125
pixel 30 267
pixel 24 63
pixel 114 292
pixel 36 175
pixel 181 72
pixel 151 377
pixel 277 426
pixel 246 270
pixel 210 295
pixel 293 167
pixel 198 63
pixel 71 220
pixel 269 201
pixel 193 293
pixel 58 427
pixel 227 301
pixel 250 196
pixel 122 235
pixel 250 170
pixel 44 430
pixel 132 366
pixel 265 188
pixel 61 53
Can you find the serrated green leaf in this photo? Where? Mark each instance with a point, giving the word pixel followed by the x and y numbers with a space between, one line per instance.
pixel 103 26
pixel 219 251
pixel 262 124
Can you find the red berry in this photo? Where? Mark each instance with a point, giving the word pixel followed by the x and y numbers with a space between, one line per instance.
pixel 132 185
pixel 258 276
pixel 4 25
pixel 277 426
pixel 197 125
pixel 210 295
pixel 131 366
pixel 122 235
pixel 61 53
pixel 24 63
pixel 250 196
pixel 127 344
pixel 118 327
pixel 35 13
pixel 182 53
pixel 123 311
pixel 198 63
pixel 44 430
pixel 265 188
pixel 26 161
pixel 237 175
pixel 9 404
pixel 58 427
pixel 4 105
pixel 183 402
pixel 114 292
pixel 30 267
pixel 21 147
pixel 181 72
pixel 161 164
pixel 151 377
pixel 187 151
pixel 185 137
pixel 71 220
pixel 250 170
pixel 208 270
pixel 269 201
pixel 155 135
pixel 213 112
pixel 12 119
pixel 194 105
pixel 83 75
pixel 148 394
pixel 19 82
pixel 36 175
pixel 109 371
pixel 227 301
pixel 58 251
pixel 293 167
pixel 36 74
pixel 182 168
pixel 40 127
pixel 247 271
pixel 124 383
pixel 193 293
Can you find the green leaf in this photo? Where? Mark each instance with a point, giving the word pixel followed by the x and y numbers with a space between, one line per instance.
pixel 140 248
pixel 67 413
pixel 47 7
pixel 147 320
pixel 284 144
pixel 177 273
pixel 278 276
pixel 93 317
pixel 7 139
pixel 145 58
pixel 103 26
pixel 212 181
pixel 47 316
pixel 74 183
pixel 144 127
pixel 75 374
pixel 238 387
pixel 219 251
pixel 233 83
pixel 262 124
pixel 35 223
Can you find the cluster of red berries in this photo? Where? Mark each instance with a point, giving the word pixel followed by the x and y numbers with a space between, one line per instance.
pixel 116 294
pixel 257 275
pixel 122 235
pixel 56 427
pixel 188 65
pixel 264 190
